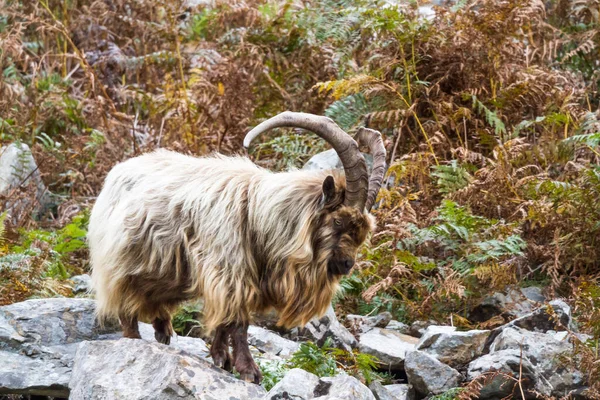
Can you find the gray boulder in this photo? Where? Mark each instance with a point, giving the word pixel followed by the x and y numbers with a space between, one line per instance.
pixel 546 352
pixel 363 324
pixel 135 369
pixel 418 328
pixel 398 327
pixel 20 374
pixel 343 387
pixel 296 384
pixel 556 315
pixel 319 330
pixel 497 371
pixel 301 385
pixel 39 339
pixel 81 283
pixel 515 303
pixel 269 342
pixel 391 392
pixel 453 347
pixel 390 347
pixel 400 391
pixel 48 322
pixel 429 376
pixel 19 169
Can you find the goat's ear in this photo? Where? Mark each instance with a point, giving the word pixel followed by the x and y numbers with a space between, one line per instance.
pixel 328 190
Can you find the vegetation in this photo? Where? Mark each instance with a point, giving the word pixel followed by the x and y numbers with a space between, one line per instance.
pixel 489 111
pixel 324 361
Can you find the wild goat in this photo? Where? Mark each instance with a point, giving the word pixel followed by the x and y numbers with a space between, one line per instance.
pixel 168 227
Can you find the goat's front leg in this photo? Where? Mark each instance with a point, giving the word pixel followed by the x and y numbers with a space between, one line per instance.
pixel 219 350
pixel 242 359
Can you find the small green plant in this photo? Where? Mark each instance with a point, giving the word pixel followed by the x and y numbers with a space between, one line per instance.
pixel 272 372
pixel 311 358
pixel 186 319
pixel 451 394
pixel 451 177
pixel 323 361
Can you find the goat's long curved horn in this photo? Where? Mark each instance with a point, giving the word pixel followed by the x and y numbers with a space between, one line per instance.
pixel 357 178
pixel 372 139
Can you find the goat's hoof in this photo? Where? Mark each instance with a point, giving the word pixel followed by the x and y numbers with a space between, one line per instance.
pixel 251 374
pixel 223 362
pixel 162 338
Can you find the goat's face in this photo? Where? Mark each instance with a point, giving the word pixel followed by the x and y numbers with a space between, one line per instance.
pixel 343 230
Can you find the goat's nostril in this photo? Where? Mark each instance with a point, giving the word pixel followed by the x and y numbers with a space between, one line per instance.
pixel 349 264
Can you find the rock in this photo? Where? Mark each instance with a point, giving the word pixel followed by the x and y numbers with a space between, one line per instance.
pixel 343 387
pixel 428 375
pixel 398 327
pixel 19 169
pixel 58 321
pixel 298 384
pixel 8 335
pixel 329 160
pixel 533 293
pixel 505 361
pixel 418 328
pixel 319 330
pixel 544 351
pixel 136 369
pixel 386 393
pixel 515 303
pixel 453 347
pixel 270 342
pixel 400 391
pixel 363 324
pixel 81 283
pixel 542 319
pixel 556 315
pixel 46 332
pixel 390 347
pixel 20 374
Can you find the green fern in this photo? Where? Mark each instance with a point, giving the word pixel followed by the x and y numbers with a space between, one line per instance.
pixel 495 249
pixel 315 360
pixel 290 151
pixel 451 177
pixel 348 111
pixel 491 117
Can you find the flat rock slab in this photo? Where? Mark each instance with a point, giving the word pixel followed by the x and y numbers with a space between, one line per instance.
pixel 20 374
pixel 135 369
pixel 298 384
pixel 546 352
pixel 270 342
pixel 319 330
pixel 428 375
pixel 389 346
pixel 497 386
pixel 39 340
pixel 50 322
pixel 453 347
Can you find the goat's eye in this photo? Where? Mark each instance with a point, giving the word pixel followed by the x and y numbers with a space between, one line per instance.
pixel 337 222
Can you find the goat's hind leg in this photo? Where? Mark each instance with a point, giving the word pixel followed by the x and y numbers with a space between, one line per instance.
pixel 219 350
pixel 242 358
pixel 129 324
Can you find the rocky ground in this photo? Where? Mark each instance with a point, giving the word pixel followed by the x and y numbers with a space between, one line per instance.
pixel 53 347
